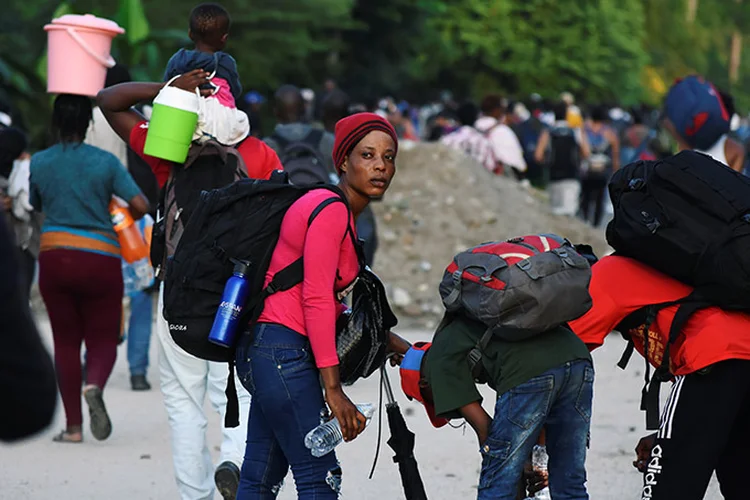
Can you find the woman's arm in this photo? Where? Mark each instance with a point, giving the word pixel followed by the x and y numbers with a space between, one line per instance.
pixel 116 102
pixel 138 206
pixel 323 246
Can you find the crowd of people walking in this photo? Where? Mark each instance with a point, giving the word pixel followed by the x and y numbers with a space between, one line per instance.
pixel 58 206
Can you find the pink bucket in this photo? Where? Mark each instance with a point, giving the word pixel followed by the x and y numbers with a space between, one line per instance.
pixel 78 53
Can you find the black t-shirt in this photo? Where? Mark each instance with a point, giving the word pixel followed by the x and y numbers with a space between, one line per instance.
pixel 564 154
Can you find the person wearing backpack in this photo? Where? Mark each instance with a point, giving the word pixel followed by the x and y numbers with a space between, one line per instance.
pixel 469 140
pixel 603 161
pixel 292 349
pixel 564 148
pixel 543 376
pixel 505 145
pixel 704 425
pixel 305 151
pixel 185 379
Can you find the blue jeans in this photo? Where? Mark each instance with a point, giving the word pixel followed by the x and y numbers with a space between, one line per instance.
pixel 139 331
pixel 277 368
pixel 558 400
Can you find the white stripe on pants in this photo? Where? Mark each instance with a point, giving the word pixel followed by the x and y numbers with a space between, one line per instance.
pixel 667 417
pixel 185 380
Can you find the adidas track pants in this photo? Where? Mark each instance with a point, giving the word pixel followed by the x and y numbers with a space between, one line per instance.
pixel 705 427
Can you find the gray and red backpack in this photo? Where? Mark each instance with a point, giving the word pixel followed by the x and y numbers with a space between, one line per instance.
pixel 518 288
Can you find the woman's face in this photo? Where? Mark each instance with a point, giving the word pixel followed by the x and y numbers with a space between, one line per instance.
pixel 371 165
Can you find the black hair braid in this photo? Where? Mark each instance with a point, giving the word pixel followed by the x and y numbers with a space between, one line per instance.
pixel 71 116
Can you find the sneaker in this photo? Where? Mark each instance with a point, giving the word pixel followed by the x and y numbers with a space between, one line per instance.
pixel 101 425
pixel 139 383
pixel 227 478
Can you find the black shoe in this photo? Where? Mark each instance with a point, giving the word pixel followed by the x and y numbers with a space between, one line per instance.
pixel 101 425
pixel 139 383
pixel 227 478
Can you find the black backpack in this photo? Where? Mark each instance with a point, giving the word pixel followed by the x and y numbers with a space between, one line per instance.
pixel 564 161
pixel 238 222
pixel 302 159
pixel 687 216
pixel 209 166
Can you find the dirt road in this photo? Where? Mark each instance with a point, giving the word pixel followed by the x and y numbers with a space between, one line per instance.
pixel 136 464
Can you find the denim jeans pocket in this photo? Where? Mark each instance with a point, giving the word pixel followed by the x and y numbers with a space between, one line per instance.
pixel 529 402
pixel 495 453
pixel 586 394
pixel 244 369
pixel 292 360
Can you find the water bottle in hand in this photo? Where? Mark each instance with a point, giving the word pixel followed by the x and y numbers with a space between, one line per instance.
pixel 539 460
pixel 325 437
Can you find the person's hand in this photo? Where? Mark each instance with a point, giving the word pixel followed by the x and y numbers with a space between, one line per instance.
pixel 397 346
pixel 6 203
pixel 536 480
pixel 192 80
pixel 643 452
pixel 352 422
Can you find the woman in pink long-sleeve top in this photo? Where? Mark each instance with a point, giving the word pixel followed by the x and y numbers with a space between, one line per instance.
pixel 293 346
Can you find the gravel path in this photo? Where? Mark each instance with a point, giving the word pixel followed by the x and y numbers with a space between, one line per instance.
pixel 135 463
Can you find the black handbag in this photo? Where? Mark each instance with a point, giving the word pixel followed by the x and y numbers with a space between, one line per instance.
pixel 362 332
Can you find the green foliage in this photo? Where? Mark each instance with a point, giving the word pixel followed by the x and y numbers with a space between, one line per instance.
pixel 601 50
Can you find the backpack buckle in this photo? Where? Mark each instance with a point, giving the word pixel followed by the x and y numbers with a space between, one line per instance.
pixel 636 184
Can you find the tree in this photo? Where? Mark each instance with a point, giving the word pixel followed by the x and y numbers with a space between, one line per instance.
pixel 593 48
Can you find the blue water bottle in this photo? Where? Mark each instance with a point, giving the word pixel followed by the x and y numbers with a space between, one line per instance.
pixel 235 295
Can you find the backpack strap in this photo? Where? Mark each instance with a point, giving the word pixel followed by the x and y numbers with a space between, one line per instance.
pixel 650 399
pixel 313 138
pixel 651 387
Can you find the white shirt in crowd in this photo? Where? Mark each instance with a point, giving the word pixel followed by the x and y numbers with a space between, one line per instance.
pixel 473 143
pixel 505 145
pixel 101 135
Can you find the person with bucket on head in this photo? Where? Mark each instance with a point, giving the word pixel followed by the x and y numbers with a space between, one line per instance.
pixel 185 379
pixel 80 277
pixel 540 370
pixel 293 350
pixel 698 116
pixel 218 116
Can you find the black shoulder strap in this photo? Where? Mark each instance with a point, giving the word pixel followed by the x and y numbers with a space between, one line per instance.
pixel 314 137
pixel 650 392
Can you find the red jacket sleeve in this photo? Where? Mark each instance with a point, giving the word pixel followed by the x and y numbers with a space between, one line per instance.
pixel 260 159
pixel 160 168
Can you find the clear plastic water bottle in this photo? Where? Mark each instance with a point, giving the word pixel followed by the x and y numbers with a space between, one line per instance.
pixel 325 437
pixel 137 276
pixel 539 460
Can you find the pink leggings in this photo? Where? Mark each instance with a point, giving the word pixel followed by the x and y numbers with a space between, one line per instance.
pixel 83 294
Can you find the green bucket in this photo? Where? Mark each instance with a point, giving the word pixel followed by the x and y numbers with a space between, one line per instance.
pixel 173 121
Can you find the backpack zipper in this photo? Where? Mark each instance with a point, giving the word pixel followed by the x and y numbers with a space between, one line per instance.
pixel 174 223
